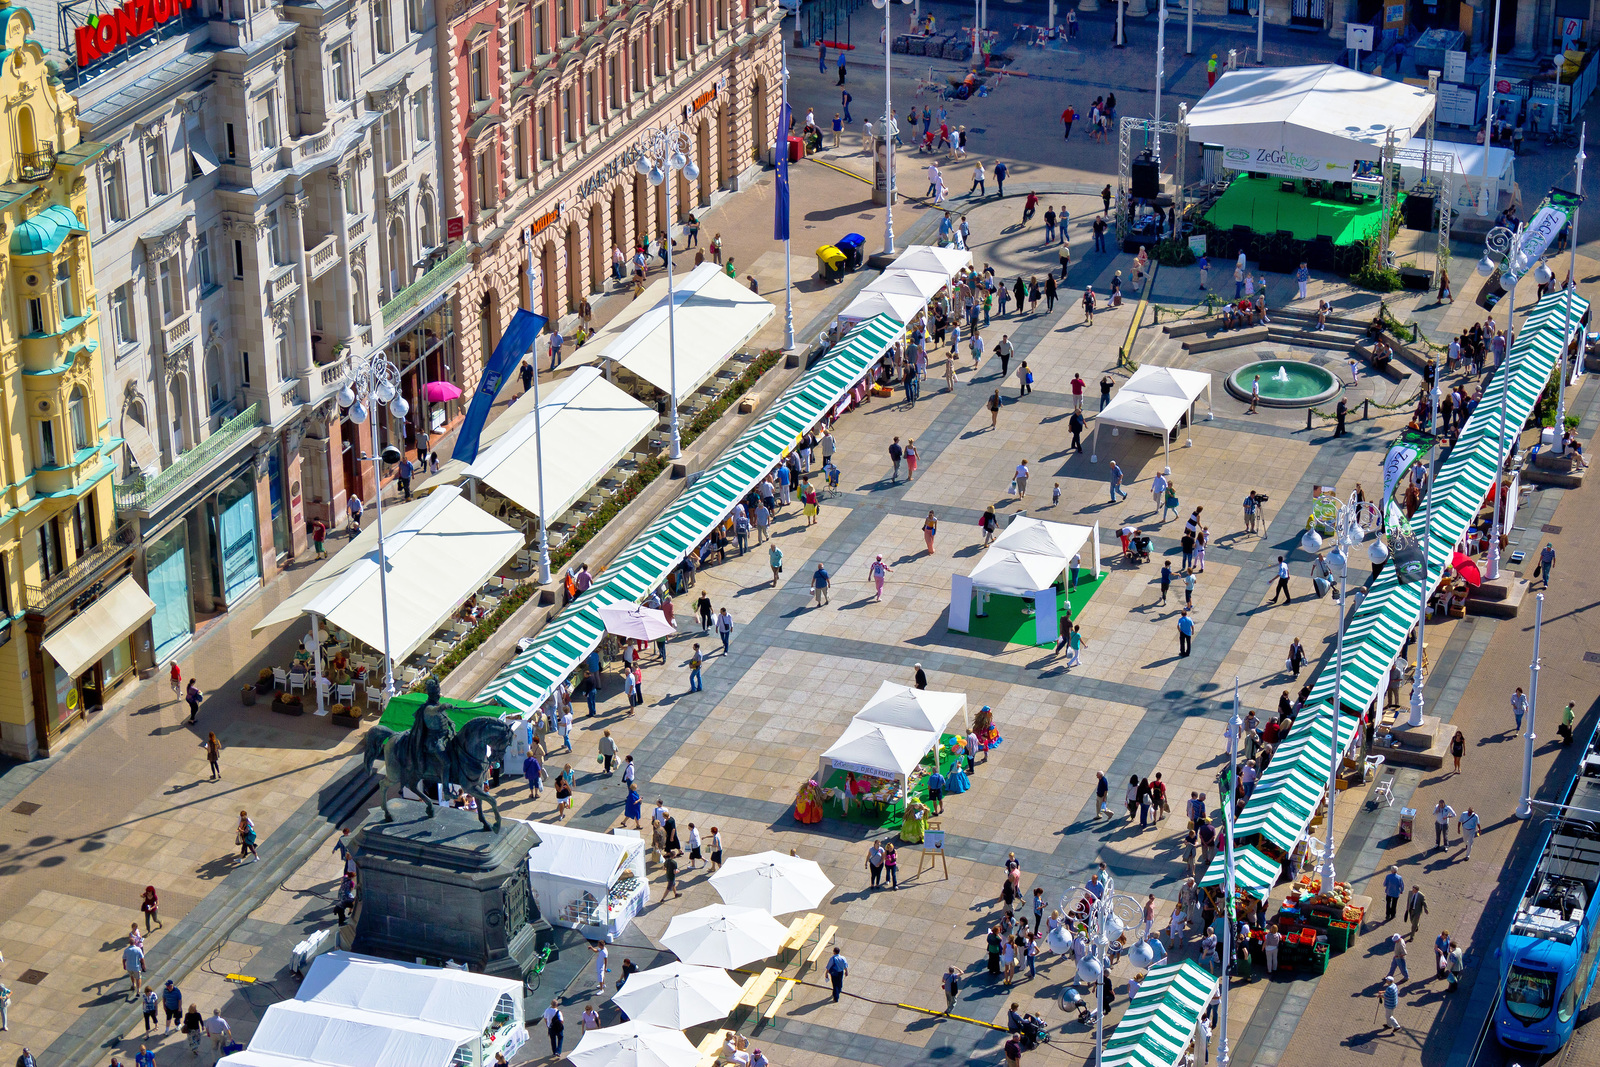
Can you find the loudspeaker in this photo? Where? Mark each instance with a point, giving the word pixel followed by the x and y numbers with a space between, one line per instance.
pixel 1146 179
pixel 1419 212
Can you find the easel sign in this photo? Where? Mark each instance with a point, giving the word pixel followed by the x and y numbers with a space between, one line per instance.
pixel 933 845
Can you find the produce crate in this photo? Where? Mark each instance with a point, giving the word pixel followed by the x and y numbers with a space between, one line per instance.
pixel 1341 936
pixel 1319 962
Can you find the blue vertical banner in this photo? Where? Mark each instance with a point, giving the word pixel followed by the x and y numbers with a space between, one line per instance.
pixel 515 343
pixel 780 218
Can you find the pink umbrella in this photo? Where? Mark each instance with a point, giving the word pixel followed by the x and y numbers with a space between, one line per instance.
pixel 439 392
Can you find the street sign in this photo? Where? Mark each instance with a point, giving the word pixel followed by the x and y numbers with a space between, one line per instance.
pixel 1455 67
pixel 1358 36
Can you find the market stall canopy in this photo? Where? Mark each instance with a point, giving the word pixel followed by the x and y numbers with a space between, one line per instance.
pixel 1313 121
pixel 91 633
pixel 933 258
pixel 912 709
pixel 715 316
pixel 1187 385
pixel 1143 411
pixel 635 621
pixel 922 284
pixel 1161 1019
pixel 1016 573
pixel 724 935
pixel 1253 871
pixel 580 855
pixel 775 882
pixel 678 995
pixel 634 1044
pixel 901 307
pixel 438 555
pixel 440 995
pixel 588 424
pixel 879 750
pixel 1027 534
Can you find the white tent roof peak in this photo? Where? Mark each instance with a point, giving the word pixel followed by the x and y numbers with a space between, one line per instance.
pixel 902 307
pixel 934 258
pixel 1323 111
pixel 1041 538
pixel 921 284
pixel 877 748
pixel 1016 573
pixel 1143 411
pixel 913 709
pixel 1168 381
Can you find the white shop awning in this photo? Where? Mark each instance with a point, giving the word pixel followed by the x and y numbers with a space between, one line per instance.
pixel 715 317
pixel 97 628
pixel 933 258
pixel 912 709
pixel 901 307
pixel 1311 120
pixel 922 284
pixel 588 424
pixel 439 554
pixel 1016 573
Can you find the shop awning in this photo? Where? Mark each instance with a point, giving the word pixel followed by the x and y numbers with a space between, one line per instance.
pixel 644 564
pixel 1161 1020
pixel 715 317
pixel 1253 872
pixel 438 555
pixel 1289 794
pixel 588 424
pixel 879 750
pixel 912 709
pixel 97 628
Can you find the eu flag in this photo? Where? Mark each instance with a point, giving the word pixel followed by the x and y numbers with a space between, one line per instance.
pixel 780 218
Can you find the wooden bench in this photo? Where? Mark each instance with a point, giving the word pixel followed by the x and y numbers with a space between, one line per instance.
pixel 801 929
pixel 823 943
pixel 710 1049
pixel 757 987
pixel 784 989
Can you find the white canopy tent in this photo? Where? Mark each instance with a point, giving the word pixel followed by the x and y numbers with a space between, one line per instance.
pixel 587 423
pixel 933 258
pixel 715 316
pixel 912 709
pixel 1187 385
pixel 879 750
pixel 922 284
pixel 1310 121
pixel 1148 412
pixel 1016 573
pixel 1062 539
pixel 360 1011
pixel 438 554
pixel 594 883
pixel 1468 169
pixel 901 307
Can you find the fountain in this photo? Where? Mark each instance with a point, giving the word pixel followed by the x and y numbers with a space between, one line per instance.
pixel 1285 383
pixel 1282 375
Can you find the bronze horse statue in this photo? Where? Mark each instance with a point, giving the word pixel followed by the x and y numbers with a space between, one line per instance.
pixel 408 760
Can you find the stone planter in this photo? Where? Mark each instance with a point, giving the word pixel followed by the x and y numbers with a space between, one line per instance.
pixel 287 709
pixel 349 720
pixel 247 696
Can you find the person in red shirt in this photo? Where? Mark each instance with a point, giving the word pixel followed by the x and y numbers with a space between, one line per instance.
pixel 1067 118
pixel 176 678
pixel 1029 206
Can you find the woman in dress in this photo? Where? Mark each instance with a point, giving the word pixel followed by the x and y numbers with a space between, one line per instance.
pixel 812 507
pixel 930 527
pixel 633 808
pixel 911 459
pixel 915 823
pixel 956 781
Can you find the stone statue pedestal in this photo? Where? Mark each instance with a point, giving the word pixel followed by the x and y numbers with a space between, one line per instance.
pixel 446 889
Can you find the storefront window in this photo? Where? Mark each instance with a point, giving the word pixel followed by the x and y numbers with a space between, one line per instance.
pixel 276 495
pixel 67 700
pixel 115 664
pixel 167 576
pixel 238 540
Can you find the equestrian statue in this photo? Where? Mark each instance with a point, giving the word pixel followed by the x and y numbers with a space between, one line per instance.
pixel 433 750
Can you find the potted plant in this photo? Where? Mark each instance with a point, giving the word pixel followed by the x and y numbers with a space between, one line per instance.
pixel 348 717
pixel 247 696
pixel 264 681
pixel 288 704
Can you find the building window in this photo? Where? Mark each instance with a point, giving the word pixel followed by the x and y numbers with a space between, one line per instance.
pixel 543 118
pixel 637 64
pixel 215 382
pixel 244 366
pixel 238 259
pixel 658 66
pixel 47 443
pixel 421 122
pixel 84 534
pixel 233 147
pixel 274 238
pixel 64 292
pixel 483 175
pixel 568 134
pixel 480 74
pixel 285 366
pixel 50 549
pixel 35 315
pixel 178 437
pixel 358 295
pixel 564 7
pixel 202 261
pixel 5 584
pixel 699 22
pixel 614 79
pixel 516 47
pixel 116 199
pixel 171 293
pixel 592 92
pixel 425 223
pixel 339 67
pixel 267 120
pixel 540 47
pixel 417 15
pixel 122 313
pixel 78 414
pixel 394 154
pixel 156 165
pixel 399 262
pixel 382 34
pixel 350 207
pixel 519 147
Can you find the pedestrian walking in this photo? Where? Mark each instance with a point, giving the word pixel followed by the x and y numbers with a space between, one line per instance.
pixel 1102 789
pixel 1416 907
pixel 877 570
pixel 978 180
pixel 193 1027
pixel 1020 479
pixel 1185 632
pixel 1166 581
pixel 1088 306
pixel 1519 706
pixel 930 527
pixel 911 458
pixel 1468 824
pixel 218 1031
pixel 1283 583
pixel 1116 482
pixel 1076 424
pixel 246 838
pixel 555 1026
pixel 819 585
pixel 896 454
pixel 1547 563
pixel 1393 887
pixel 951 984
pixel 192 697
pixel 1442 814
pixel 1389 995
pixel 150 906
pixel 1398 961
pixel 213 749
pixel 838 969
pixel 171 1006
pixel 1297 658
pixel 724 628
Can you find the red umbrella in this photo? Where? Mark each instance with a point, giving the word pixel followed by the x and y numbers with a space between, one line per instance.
pixel 439 392
pixel 1467 569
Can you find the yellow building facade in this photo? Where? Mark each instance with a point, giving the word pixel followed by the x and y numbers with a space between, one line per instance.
pixel 66 592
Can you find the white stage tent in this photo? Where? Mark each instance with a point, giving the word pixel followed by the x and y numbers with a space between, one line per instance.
pixel 901 307
pixel 932 258
pixel 588 424
pixel 1468 170
pixel 439 553
pixel 1140 411
pixel 1016 573
pixel 359 1011
pixel 1028 534
pixel 1187 385
pixel 912 709
pixel 922 284
pixel 715 317
pixel 878 750
pixel 1307 122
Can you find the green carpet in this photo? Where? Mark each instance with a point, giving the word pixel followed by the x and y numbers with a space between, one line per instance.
pixel 1262 205
pixel 890 819
pixel 403 708
pixel 1005 621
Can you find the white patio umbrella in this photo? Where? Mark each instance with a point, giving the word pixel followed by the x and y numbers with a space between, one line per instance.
pixel 633 621
pixel 772 881
pixel 678 995
pixel 724 935
pixel 634 1044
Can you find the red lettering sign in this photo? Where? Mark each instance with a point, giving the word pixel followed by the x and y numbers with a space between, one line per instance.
pixel 104 34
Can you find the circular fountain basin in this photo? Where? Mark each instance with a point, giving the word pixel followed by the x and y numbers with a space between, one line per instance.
pixel 1285 383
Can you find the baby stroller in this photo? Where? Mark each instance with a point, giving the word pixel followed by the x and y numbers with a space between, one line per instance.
pixel 1141 548
pixel 1034 1032
pixel 831 476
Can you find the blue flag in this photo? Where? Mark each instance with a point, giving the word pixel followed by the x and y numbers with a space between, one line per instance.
pixel 515 343
pixel 780 217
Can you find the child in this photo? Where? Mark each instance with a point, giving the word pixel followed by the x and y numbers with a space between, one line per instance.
pixel 1055 495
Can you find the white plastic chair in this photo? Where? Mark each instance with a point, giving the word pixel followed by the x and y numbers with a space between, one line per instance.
pixel 280 678
pixel 297 681
pixel 346 695
pixel 1384 791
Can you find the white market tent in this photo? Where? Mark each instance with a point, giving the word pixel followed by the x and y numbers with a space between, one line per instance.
pixel 587 425
pixel 875 749
pixel 1327 115
pixel 571 873
pixel 360 1011
pixel 715 316
pixel 1016 573
pixel 901 307
pixel 912 709
pixel 1062 539
pixel 933 258
pixel 922 284
pixel 1468 169
pixel 1187 385
pixel 440 552
pixel 1148 412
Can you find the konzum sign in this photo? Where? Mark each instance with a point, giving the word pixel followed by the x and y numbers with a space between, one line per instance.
pixel 104 34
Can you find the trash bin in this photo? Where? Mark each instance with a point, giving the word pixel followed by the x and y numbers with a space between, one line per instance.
pixel 1408 823
pixel 797 148
pixel 853 246
pixel 830 263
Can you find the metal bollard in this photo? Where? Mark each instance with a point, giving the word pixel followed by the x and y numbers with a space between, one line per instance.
pixel 1308 418
pixel 1366 410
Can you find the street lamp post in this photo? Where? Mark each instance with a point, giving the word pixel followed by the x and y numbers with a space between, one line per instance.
pixel 1110 915
pixel 1506 245
pixel 1525 805
pixel 1566 345
pixel 888 127
pixel 375 380
pixel 1488 115
pixel 1419 677
pixel 538 436
pixel 1235 724
pixel 662 153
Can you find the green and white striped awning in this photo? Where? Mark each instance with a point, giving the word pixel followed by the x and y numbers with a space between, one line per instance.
pixel 1288 795
pixel 1160 1022
pixel 560 647
pixel 1253 871
pixel 1378 629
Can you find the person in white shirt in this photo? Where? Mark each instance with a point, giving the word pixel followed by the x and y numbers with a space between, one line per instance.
pixel 591 1018
pixel 217 1030
pixel 694 847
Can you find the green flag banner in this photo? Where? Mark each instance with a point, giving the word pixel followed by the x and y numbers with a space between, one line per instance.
pixel 1402 454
